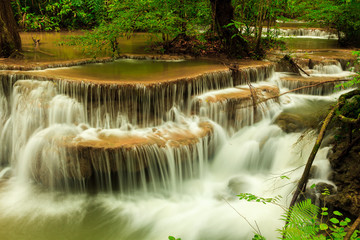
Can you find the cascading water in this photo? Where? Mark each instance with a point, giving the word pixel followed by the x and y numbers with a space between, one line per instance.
pixel 306 33
pixel 323 76
pixel 328 68
pixel 177 177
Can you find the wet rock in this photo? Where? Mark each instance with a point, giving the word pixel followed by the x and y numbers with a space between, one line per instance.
pixel 6 173
pixel 236 185
pixel 348 204
pixel 289 122
pixel 321 187
pixel 311 64
pixel 315 194
pixel 285 65
pixel 346 177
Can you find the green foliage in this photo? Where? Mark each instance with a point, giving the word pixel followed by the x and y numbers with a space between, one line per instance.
pixel 252 14
pixel 258 237
pixel 355 81
pixel 335 227
pixel 167 17
pixel 163 19
pixel 252 198
pixel 341 15
pixel 251 17
pixel 41 15
pixel 173 238
pixel 301 221
pixel 305 221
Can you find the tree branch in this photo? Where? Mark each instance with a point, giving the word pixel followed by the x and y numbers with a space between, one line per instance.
pixel 352 229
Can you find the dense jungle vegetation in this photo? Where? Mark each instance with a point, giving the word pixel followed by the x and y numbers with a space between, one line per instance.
pixel 203 27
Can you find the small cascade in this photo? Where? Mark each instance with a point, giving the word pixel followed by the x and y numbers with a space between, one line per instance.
pixel 243 75
pixel 322 85
pixel 323 77
pixel 306 33
pixel 140 104
pixel 34 106
pixel 327 69
pixel 233 108
pixel 298 32
pixel 4 105
pixel 81 158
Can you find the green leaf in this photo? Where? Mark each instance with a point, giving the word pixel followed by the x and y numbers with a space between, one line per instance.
pixel 337 213
pixel 343 223
pixel 355 235
pixel 313 186
pixel 301 220
pixel 323 226
pixel 334 220
pixel 284 177
pixel 171 238
pixel 320 237
pixel 229 25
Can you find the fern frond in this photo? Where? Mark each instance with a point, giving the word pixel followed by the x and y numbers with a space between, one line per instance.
pixel 301 220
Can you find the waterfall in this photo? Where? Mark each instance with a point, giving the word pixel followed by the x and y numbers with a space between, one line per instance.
pixel 328 69
pixel 76 158
pixel 298 32
pixel 325 76
pixel 233 108
pixel 307 33
pixel 48 138
pixel 100 160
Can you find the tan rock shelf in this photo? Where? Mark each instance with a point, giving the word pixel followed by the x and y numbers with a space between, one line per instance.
pixel 113 158
pixel 322 85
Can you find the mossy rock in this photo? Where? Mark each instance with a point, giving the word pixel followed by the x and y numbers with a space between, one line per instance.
pixel 290 122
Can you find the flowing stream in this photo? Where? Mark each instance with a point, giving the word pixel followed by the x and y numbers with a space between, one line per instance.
pixel 83 161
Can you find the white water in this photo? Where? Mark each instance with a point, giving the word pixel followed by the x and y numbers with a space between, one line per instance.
pixel 194 206
pixel 235 113
pixel 307 33
pixel 299 33
pixel 323 71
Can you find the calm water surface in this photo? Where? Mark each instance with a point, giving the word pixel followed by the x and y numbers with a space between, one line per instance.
pixel 50 48
pixel 135 70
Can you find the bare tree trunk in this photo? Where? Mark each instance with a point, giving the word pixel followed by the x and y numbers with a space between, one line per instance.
pixel 9 37
pixel 304 178
pixel 223 13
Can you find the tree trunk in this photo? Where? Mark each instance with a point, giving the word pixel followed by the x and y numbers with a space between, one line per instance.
pixel 223 13
pixel 9 37
pixel 183 17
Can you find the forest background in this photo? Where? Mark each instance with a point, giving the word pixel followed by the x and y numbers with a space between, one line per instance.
pixel 237 28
